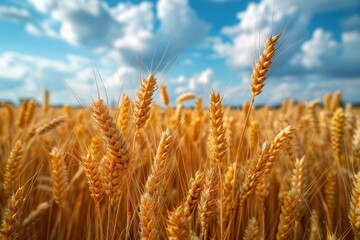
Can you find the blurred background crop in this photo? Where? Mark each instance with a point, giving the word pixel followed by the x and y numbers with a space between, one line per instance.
pixel 196 45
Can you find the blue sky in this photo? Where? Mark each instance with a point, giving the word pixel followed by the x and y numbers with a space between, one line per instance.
pixel 194 45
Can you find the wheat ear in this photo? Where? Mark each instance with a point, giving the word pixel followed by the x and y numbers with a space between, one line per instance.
pixel 177 224
pixel 354 214
pixel 117 159
pixel 93 177
pixel 314 121
pixel 46 101
pixel 143 102
pixel 254 134
pixel 337 134
pixel 46 126
pixel 262 66
pixel 327 101
pixel 228 202
pixel 330 193
pixel 198 106
pixel 335 101
pixel 184 97
pixel 315 231
pixel 164 95
pixel 29 113
pixel 280 139
pixel 21 118
pixel 252 230
pixel 193 195
pixel 122 121
pixel 218 138
pixel 149 222
pixel 11 223
pixel 154 184
pixel 34 216
pixel 154 189
pixel 207 204
pixel 12 168
pixel 291 201
pixel 59 177
pixel 256 171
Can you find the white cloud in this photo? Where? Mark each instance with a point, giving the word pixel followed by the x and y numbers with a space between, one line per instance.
pixel 43 6
pixel 316 48
pixel 14 14
pixel 188 62
pixel 324 56
pixel 32 29
pixel 320 55
pixel 29 75
pixel 125 32
pixel 244 40
pixel 197 83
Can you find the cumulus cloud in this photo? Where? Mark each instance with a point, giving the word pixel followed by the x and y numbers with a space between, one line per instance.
pixel 313 50
pixel 14 14
pixel 320 54
pixel 179 27
pixel 197 83
pixel 323 55
pixel 241 44
pixel 126 32
pixel 30 75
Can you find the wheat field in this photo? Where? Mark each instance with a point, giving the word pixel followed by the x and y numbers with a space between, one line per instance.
pixel 141 171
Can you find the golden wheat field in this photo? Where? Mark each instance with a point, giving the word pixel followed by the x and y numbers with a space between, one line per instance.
pixel 141 171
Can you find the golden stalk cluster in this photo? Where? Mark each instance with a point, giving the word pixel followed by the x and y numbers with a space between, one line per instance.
pixel 140 171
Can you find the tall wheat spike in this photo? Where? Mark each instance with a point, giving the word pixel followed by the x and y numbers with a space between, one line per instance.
pixel 36 214
pixel 164 95
pixel 288 210
pixel 252 231
pixel 45 127
pixel 354 214
pixel 177 224
pixel 149 221
pixel 218 137
pixel 143 102
pixel 94 178
pixel 193 195
pixel 21 119
pixel 123 121
pixel 59 176
pixel 46 101
pixel 256 171
pixel 154 184
pixel 262 66
pixel 12 168
pixel 208 197
pixel 11 222
pixel 337 134
pixel 117 160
